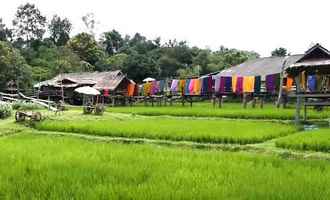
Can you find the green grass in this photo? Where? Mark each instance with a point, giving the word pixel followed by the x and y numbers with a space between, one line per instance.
pixel 165 128
pixel 229 110
pixel 317 140
pixel 45 167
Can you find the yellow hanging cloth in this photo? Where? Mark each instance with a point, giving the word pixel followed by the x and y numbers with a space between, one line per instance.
pixel 248 84
pixel 147 88
pixel 234 82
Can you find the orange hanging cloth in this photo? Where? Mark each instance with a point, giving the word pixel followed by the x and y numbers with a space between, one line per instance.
pixel 289 83
pixel 130 89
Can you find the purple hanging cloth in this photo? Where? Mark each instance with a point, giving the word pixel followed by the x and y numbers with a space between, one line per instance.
pixel 222 84
pixel 271 83
pixel 239 85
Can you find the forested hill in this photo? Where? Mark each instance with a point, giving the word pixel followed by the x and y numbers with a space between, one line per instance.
pixel 28 56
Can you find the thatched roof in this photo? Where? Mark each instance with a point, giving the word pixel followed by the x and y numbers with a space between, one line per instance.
pixel 260 66
pixel 316 57
pixel 98 80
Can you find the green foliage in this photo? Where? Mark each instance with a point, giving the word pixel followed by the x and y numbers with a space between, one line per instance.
pixel 115 62
pixel 23 105
pixel 316 140
pixel 13 67
pixel 49 167
pixel 60 30
pixel 85 46
pixel 5 33
pixel 201 130
pixel 279 52
pixel 5 110
pixel 112 42
pixel 29 23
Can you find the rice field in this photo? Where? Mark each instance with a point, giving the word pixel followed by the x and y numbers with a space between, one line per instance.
pixel 316 140
pixel 48 167
pixel 229 110
pixel 169 128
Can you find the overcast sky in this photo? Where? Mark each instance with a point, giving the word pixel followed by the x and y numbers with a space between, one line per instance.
pixel 259 25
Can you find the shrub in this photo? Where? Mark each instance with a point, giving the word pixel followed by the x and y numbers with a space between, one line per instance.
pixel 5 110
pixel 23 105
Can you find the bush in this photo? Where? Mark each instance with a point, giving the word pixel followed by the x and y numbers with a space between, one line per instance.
pixel 22 105
pixel 5 110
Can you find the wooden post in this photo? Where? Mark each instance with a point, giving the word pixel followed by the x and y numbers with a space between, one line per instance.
pixel 261 102
pixel 244 100
pixel 280 93
pixel 298 104
pixel 220 101
pixel 254 102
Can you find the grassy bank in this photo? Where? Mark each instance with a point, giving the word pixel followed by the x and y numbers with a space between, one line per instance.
pixel 44 167
pixel 317 140
pixel 201 130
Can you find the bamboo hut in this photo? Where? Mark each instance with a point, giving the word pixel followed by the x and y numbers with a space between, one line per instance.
pixel 110 84
pixel 312 77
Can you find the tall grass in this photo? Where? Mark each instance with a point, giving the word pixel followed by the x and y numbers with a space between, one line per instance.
pixel 316 140
pixel 201 130
pixel 229 110
pixel 44 167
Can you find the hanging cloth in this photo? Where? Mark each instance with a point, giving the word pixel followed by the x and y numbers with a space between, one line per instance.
pixel 222 85
pixel 187 87
pixel 289 83
pixel 234 83
pixel 106 92
pixel 271 83
pixel 209 84
pixel 161 85
pixel 136 90
pixel 312 84
pixel 239 85
pixel 130 89
pixel 174 86
pixel 197 89
pixel 217 85
pixel 191 86
pixel 248 85
pixel 228 84
pixel 147 89
pixel 204 85
pixel 257 84
pixel 182 86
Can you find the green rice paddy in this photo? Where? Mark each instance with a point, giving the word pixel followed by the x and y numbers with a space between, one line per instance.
pixel 166 128
pixel 48 167
pixel 47 161
pixel 317 140
pixel 229 110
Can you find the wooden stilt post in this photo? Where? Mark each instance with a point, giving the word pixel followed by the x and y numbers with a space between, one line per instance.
pixel 298 104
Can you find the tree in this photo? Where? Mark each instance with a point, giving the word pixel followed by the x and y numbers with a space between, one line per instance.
pixel 280 52
pixel 59 30
pixel 13 67
pixel 139 66
pixel 29 24
pixel 115 62
pixel 85 46
pixel 201 61
pixel 90 23
pixel 5 33
pixel 112 42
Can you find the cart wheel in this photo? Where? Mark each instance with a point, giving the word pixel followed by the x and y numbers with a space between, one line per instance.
pixel 19 116
pixel 87 110
pixel 36 116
